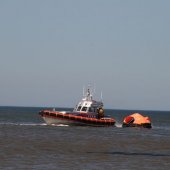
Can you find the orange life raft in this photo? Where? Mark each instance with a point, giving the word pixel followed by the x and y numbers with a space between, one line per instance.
pixel 137 120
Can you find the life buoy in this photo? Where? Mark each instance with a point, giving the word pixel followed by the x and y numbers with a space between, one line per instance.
pixel 100 113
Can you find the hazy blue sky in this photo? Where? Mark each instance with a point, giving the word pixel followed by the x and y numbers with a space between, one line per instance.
pixel 50 49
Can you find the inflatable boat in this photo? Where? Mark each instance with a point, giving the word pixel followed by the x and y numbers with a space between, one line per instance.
pixel 136 120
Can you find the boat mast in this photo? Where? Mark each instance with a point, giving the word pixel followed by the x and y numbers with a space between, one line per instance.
pixel 83 91
pixel 89 94
pixel 101 97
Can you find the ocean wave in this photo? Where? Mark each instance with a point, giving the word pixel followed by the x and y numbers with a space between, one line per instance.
pixel 161 127
pixel 117 125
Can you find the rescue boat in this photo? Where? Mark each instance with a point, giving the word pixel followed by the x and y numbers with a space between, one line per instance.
pixel 88 112
pixel 137 120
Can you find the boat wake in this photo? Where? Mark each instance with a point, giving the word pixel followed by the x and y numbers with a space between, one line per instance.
pixel 23 124
pixel 59 125
pixel 30 124
pixel 118 125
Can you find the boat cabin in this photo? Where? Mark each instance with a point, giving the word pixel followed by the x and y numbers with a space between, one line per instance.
pixel 87 104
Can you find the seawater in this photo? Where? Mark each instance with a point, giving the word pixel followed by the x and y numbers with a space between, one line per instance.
pixel 26 142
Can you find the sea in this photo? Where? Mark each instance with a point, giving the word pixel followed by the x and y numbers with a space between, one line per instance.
pixel 27 143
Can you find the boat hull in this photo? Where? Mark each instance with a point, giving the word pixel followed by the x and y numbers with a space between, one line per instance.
pixel 51 117
pixel 144 125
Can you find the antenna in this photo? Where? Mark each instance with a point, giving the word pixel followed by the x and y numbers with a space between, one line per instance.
pixel 94 91
pixel 89 88
pixel 83 91
pixel 101 96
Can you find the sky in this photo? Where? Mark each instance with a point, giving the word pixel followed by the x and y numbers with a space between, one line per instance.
pixel 51 49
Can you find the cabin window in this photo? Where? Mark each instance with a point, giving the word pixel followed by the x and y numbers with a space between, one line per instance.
pixel 84 109
pixel 90 109
pixel 94 109
pixel 78 109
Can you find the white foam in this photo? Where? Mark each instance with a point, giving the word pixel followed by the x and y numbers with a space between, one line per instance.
pixel 59 125
pixel 119 125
